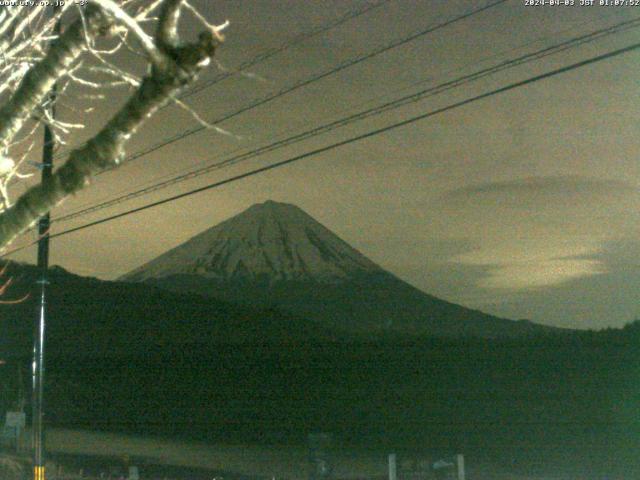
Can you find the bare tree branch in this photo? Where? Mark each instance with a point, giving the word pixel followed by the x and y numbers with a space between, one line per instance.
pixel 176 67
pixel 37 83
pixel 145 40
pixel 4 285
pixel 167 33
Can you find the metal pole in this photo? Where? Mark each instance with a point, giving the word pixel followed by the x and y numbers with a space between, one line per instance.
pixel 393 469
pixel 40 325
pixel 460 464
pixel 39 332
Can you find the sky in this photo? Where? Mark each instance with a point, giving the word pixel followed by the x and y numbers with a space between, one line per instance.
pixel 523 204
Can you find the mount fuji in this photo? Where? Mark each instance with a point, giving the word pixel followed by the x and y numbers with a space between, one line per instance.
pixel 267 244
pixel 275 255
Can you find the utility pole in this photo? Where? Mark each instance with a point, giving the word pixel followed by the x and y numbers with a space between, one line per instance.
pixel 43 266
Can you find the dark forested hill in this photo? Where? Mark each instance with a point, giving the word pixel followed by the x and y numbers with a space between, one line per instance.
pixel 135 358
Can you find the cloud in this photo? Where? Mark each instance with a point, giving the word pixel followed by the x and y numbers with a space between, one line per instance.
pixel 548 186
pixel 596 287
pixel 537 232
pixel 609 298
pixel 535 263
pixel 622 254
pixel 531 190
pixel 541 207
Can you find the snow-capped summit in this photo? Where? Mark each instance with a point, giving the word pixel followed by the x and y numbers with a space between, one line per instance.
pixel 268 242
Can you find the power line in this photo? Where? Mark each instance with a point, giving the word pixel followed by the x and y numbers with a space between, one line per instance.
pixel 351 140
pixel 153 185
pixel 272 52
pixel 308 81
pixel 275 51
pixel 377 110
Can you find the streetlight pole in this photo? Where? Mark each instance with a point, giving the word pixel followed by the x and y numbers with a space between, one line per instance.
pixel 40 325
pixel 43 266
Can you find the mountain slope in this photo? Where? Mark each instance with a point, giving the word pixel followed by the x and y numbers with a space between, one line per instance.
pixel 275 255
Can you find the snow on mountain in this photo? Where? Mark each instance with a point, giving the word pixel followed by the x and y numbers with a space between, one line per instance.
pixel 268 242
